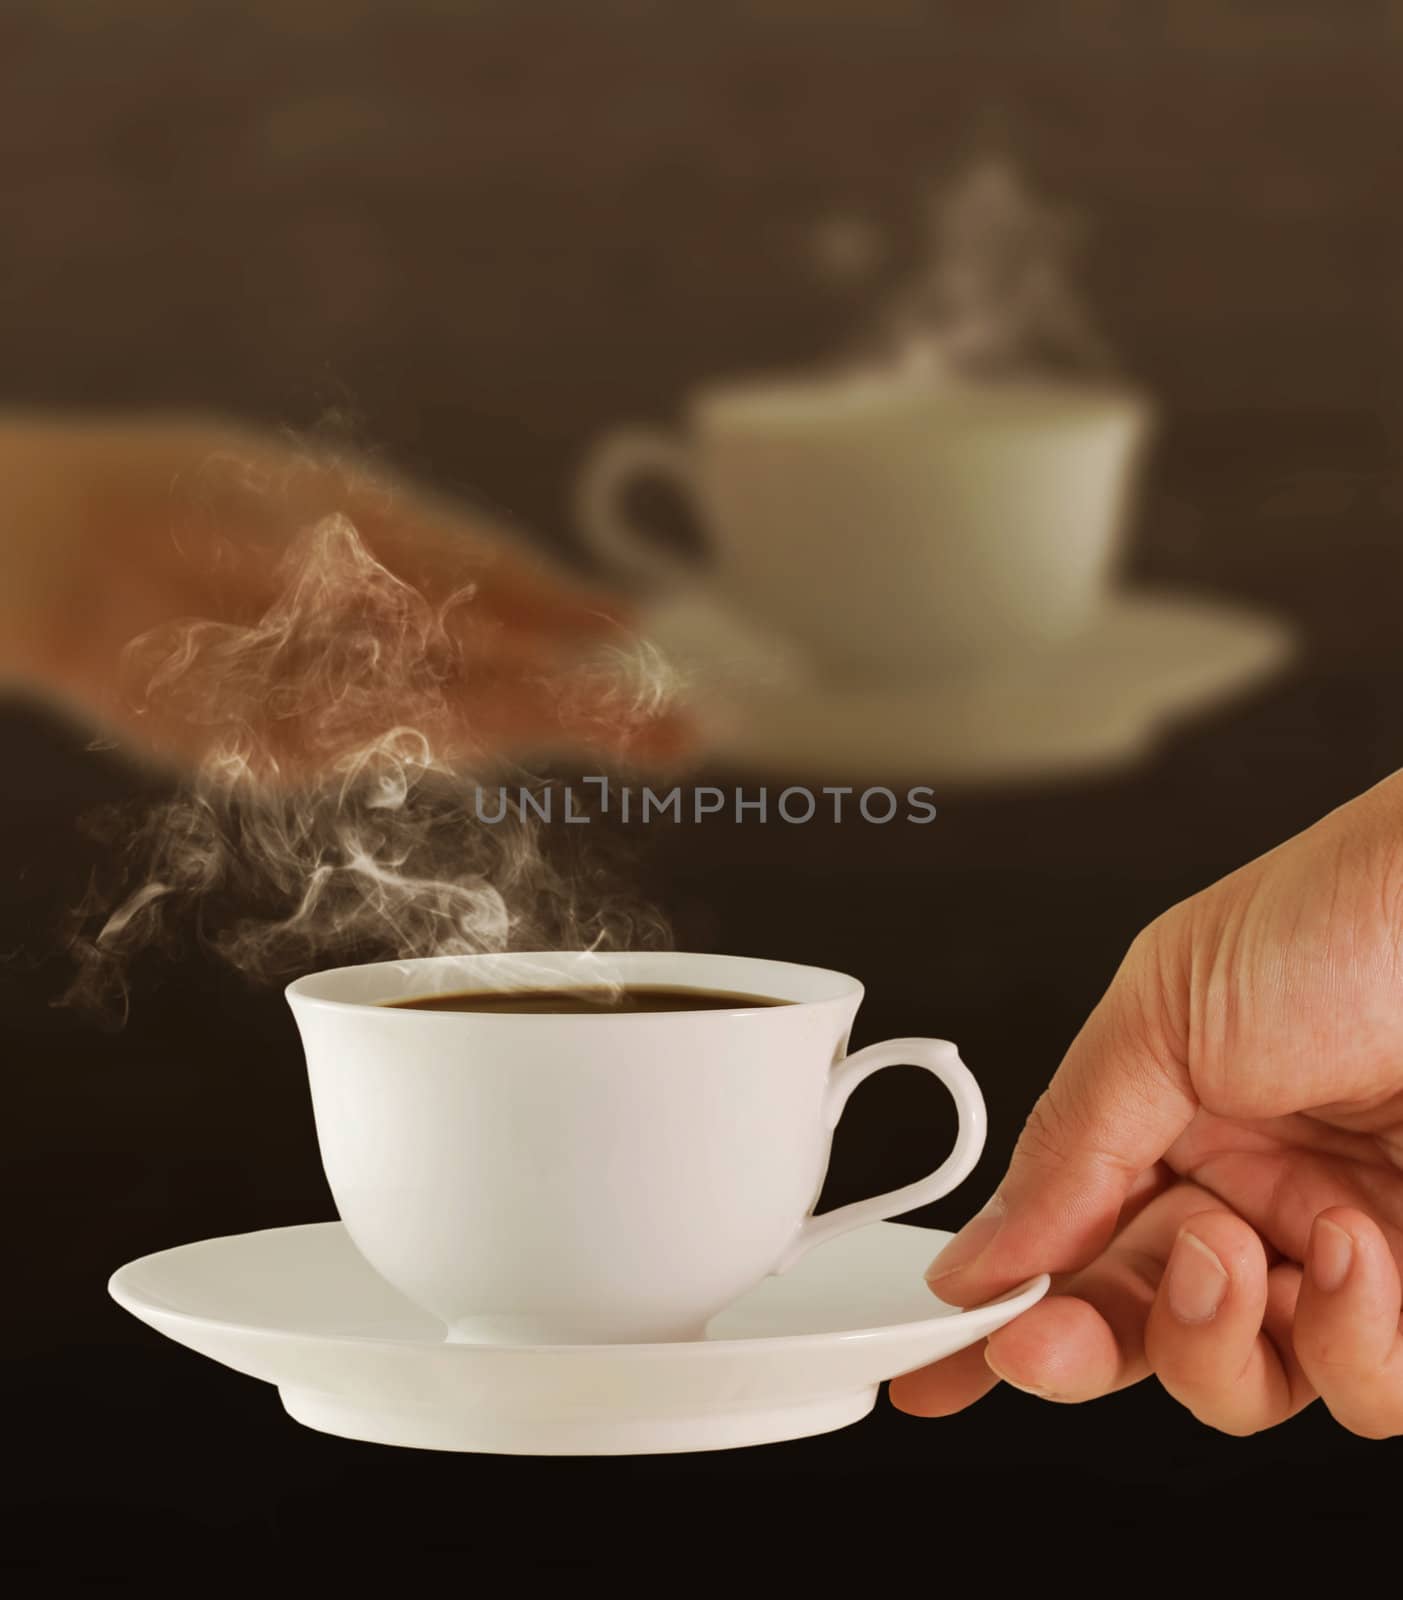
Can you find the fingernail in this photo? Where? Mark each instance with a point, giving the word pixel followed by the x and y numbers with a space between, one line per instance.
pixel 1331 1252
pixel 971 1241
pixel 1196 1281
pixel 1023 1388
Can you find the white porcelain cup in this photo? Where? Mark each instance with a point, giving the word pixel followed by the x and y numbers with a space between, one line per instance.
pixel 892 526
pixel 596 1178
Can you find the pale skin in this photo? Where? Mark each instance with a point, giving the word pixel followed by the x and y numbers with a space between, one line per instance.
pixel 1215 1174
pixel 113 526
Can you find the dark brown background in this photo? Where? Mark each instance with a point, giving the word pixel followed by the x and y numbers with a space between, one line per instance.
pixel 481 232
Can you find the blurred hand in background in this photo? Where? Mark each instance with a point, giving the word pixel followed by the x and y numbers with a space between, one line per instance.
pixel 1215 1174
pixel 113 527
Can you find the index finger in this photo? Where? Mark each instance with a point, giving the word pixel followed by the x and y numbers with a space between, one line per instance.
pixel 1119 1100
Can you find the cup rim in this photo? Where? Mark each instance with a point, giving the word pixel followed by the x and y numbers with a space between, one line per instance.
pixel 837 987
pixel 782 399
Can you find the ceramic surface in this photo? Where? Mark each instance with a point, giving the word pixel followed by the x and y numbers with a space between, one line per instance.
pixel 800 1354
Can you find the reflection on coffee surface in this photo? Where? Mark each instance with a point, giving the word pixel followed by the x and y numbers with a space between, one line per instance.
pixel 584 1001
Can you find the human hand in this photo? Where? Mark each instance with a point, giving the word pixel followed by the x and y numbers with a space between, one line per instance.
pixel 115 528
pixel 1215 1173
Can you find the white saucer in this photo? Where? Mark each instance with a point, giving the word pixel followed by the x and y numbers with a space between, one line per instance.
pixel 800 1354
pixel 1097 702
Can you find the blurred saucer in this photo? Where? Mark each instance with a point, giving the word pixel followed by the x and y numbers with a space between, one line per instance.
pixel 1095 703
pixel 800 1354
pixel 714 650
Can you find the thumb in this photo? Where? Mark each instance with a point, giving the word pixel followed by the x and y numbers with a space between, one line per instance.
pixel 1121 1097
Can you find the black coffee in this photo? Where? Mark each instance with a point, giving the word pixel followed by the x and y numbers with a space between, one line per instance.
pixel 586 1001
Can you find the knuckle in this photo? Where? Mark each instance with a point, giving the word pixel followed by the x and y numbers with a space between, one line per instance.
pixel 1060 1128
pixel 1045 1136
pixel 1331 1356
pixel 1156 972
pixel 1117 1072
pixel 1325 1356
pixel 1146 1020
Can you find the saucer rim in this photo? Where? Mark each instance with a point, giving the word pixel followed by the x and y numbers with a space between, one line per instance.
pixel 1034 1289
pixel 779 733
pixel 1282 631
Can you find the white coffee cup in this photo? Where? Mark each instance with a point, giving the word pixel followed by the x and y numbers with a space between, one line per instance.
pixel 578 1178
pixel 892 526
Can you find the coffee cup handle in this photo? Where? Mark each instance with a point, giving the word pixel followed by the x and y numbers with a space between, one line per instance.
pixel 937 1056
pixel 617 460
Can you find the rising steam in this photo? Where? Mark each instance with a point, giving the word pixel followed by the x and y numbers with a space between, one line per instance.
pixel 993 292
pixel 331 817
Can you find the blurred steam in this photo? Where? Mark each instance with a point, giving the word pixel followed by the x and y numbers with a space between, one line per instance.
pixel 993 292
pixel 333 818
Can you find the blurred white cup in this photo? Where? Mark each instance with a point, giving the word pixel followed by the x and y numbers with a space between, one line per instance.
pixel 888 525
